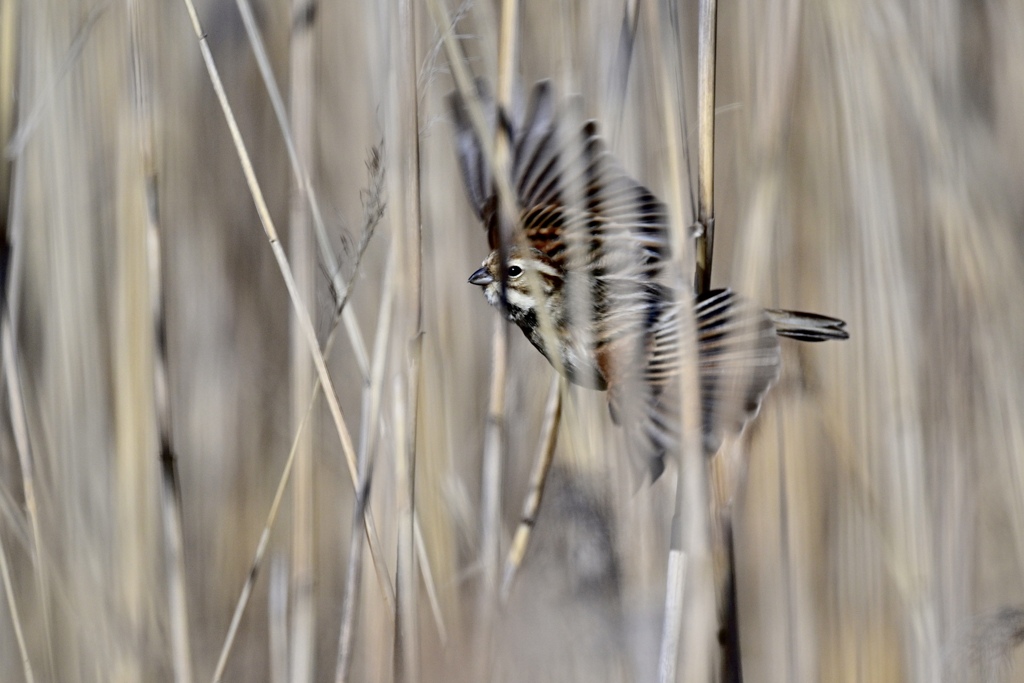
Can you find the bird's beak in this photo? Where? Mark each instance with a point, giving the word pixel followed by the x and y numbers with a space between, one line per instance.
pixel 481 277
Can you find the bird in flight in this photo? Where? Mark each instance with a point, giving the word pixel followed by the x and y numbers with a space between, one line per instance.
pixel 588 282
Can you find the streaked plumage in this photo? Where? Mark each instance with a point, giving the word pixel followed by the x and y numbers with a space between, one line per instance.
pixel 596 243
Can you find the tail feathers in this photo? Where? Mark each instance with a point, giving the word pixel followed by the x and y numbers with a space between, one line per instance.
pixel 808 327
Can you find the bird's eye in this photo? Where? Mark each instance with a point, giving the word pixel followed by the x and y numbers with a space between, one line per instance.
pixel 514 271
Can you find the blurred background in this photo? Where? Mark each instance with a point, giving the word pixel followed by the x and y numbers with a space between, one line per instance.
pixel 869 165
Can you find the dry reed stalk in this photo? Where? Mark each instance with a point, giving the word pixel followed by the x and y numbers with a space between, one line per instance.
pixel 304 321
pixel 372 396
pixel 277 620
pixel 12 604
pixel 353 581
pixel 10 300
pixel 301 174
pixel 494 437
pixel 170 483
pixel 430 586
pixel 368 528
pixel 13 218
pixel 687 633
pixel 29 121
pixel 720 500
pixel 339 287
pixel 507 203
pixel 706 54
pixel 306 324
pixel 145 487
pixel 9 54
pixel 302 641
pixel 493 440
pixel 407 343
pixel 538 478
pixel 406 660
pixel 490 494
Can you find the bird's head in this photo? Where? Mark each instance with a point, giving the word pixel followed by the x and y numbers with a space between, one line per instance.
pixel 528 275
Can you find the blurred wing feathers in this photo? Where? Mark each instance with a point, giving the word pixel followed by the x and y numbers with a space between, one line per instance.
pixel 565 179
pixel 476 175
pixel 738 359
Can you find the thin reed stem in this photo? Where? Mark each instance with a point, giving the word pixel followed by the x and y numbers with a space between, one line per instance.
pixel 339 287
pixel 687 632
pixel 372 395
pixel 170 508
pixel 12 604
pixel 30 121
pixel 304 321
pixel 302 639
pixel 494 439
pixel 9 312
pixel 369 530
pixel 301 174
pixel 538 479
pixel 731 669
pixel 706 51
pixel 406 187
pixel 277 618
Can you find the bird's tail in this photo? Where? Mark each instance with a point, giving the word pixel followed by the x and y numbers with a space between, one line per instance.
pixel 808 327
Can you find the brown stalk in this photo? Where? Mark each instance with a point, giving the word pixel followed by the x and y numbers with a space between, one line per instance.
pixel 688 616
pixel 305 323
pixel 303 254
pixel 12 604
pixel 706 51
pixel 497 158
pixel 406 187
pixel 490 497
pixel 277 620
pixel 299 171
pixel 12 173
pixel 303 319
pixel 339 287
pixel 308 333
pixel 538 479
pixel 367 442
pixel 369 529
pixel 171 486
pixel 721 517
pixel 508 204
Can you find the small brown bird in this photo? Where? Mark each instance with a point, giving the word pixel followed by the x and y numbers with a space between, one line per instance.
pixel 591 270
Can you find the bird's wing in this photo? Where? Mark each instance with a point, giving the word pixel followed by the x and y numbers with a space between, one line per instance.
pixel 569 188
pixel 476 173
pixel 737 361
pixel 569 185
pixel 605 231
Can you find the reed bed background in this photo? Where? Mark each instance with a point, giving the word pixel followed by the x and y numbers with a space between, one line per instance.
pixel 156 371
